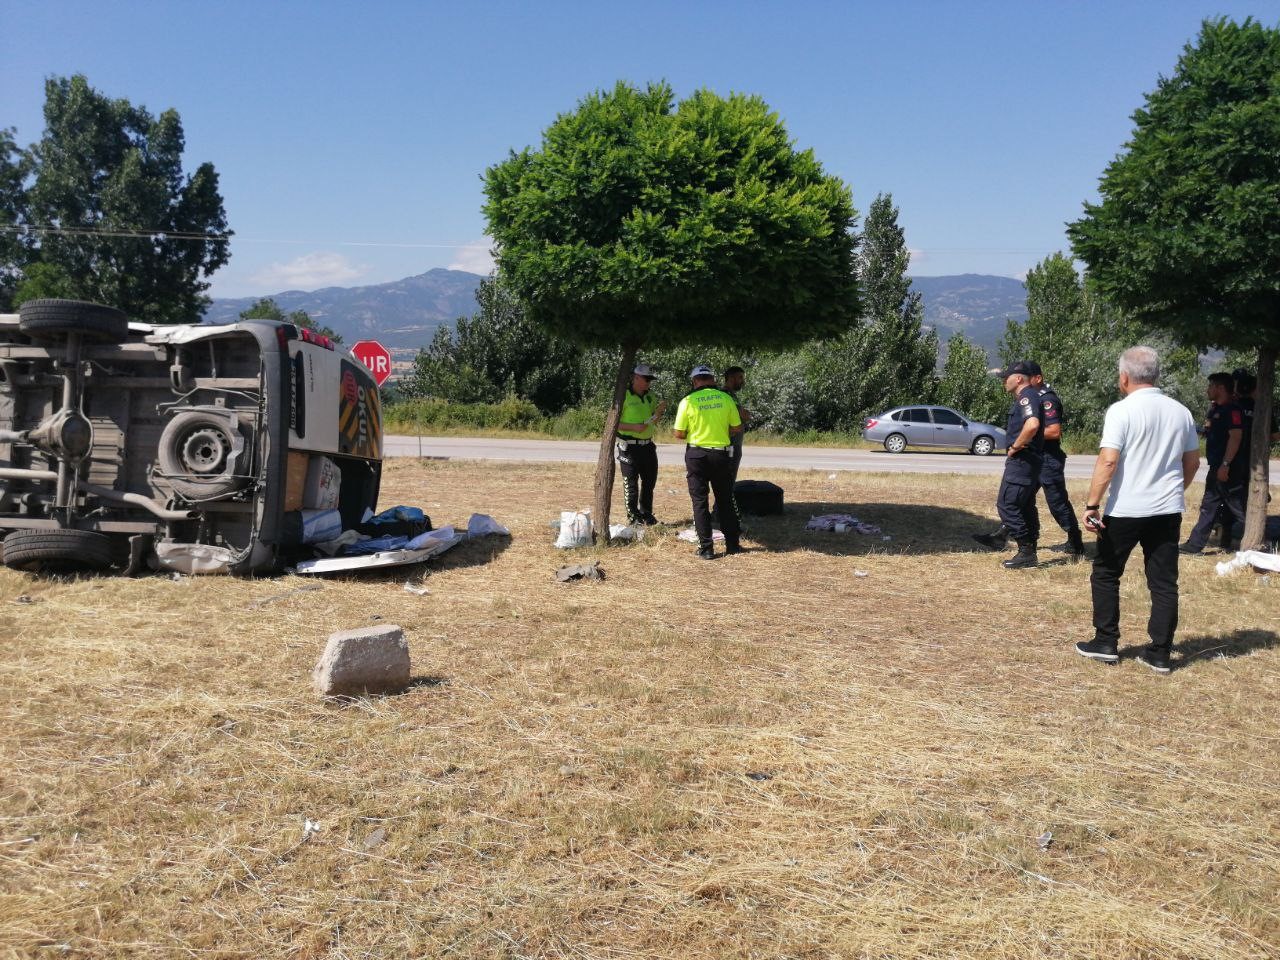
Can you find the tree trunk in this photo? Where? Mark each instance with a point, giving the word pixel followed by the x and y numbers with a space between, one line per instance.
pixel 1260 452
pixel 605 464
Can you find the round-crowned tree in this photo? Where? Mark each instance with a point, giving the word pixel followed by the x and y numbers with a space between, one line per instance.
pixel 1185 234
pixel 641 222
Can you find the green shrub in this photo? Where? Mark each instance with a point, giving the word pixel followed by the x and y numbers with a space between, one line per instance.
pixel 577 423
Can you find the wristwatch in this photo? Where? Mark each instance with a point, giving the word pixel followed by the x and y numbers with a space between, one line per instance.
pixel 1093 506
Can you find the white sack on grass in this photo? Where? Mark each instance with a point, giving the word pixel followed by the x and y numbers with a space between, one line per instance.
pixel 575 529
pixel 691 535
pixel 1250 558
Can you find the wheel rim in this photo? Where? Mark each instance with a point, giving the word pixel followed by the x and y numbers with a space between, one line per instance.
pixel 896 444
pixel 205 451
pixel 982 447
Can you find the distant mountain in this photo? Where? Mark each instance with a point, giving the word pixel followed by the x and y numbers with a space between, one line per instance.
pixel 403 314
pixel 975 304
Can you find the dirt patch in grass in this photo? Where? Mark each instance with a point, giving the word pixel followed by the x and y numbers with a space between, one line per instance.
pixel 764 756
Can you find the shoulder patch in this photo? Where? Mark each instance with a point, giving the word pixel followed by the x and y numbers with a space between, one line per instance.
pixel 1236 419
pixel 1024 401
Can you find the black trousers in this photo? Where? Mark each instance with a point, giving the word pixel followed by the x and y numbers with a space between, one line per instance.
pixel 1228 497
pixel 736 443
pixel 1016 504
pixel 1159 539
pixel 1053 480
pixel 711 470
pixel 639 466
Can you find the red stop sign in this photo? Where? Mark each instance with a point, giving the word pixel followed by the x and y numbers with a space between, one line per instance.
pixel 374 356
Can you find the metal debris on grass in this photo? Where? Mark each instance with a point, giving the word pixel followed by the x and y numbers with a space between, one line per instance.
pixel 580 571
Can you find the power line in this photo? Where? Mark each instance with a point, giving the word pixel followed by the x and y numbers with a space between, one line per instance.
pixel 52 230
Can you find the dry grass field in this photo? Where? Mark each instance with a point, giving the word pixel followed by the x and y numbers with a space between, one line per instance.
pixel 766 756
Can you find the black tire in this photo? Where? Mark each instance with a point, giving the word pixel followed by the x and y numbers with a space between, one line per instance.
pixel 53 319
pixel 983 447
pixel 58 551
pixel 196 458
pixel 895 443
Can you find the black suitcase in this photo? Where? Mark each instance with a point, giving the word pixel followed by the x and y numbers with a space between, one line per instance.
pixel 758 497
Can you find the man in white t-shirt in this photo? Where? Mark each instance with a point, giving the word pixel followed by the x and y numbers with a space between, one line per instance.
pixel 1148 456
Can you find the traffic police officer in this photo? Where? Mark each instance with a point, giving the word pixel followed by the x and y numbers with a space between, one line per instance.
pixel 1053 477
pixel 707 420
pixel 1016 502
pixel 637 454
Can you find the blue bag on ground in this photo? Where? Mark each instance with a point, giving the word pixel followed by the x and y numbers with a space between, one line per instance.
pixel 397 522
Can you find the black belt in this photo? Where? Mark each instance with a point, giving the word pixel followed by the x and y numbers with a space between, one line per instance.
pixel 721 449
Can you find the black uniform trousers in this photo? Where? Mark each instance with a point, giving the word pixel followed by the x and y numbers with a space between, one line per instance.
pixel 735 441
pixel 1228 497
pixel 1016 501
pixel 1159 539
pixel 712 470
pixel 638 463
pixel 1053 480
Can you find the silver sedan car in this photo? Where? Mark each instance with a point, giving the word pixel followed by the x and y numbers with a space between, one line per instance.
pixel 902 427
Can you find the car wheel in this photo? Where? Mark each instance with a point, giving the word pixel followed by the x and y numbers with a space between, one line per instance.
pixel 198 455
pixel 53 319
pixel 983 446
pixel 58 551
pixel 895 443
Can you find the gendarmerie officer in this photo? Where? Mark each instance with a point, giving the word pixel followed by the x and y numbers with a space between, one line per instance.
pixel 1224 487
pixel 637 454
pixel 1053 479
pixel 1016 502
pixel 706 420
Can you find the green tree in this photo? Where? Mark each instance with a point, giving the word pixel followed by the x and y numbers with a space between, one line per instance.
pixel 1075 335
pixel 643 223
pixel 113 216
pixel 15 167
pixel 888 359
pixel 497 352
pixel 965 384
pixel 1185 234
pixel 267 309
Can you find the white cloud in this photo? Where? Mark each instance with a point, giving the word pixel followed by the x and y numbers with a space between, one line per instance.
pixel 915 257
pixel 309 272
pixel 474 258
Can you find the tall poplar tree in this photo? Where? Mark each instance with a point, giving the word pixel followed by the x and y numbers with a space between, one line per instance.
pixel 109 214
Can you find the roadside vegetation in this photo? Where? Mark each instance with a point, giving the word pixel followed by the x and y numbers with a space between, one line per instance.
pixel 516 418
pixel 830 746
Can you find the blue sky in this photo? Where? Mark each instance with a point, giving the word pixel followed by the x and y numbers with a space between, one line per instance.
pixel 350 139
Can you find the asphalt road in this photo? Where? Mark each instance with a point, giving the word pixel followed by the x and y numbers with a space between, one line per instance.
pixel 781 458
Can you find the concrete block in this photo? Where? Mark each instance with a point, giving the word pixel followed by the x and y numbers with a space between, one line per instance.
pixel 366 660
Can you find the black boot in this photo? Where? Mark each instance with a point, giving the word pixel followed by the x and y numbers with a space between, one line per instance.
pixel 1076 543
pixel 1024 558
pixel 994 541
